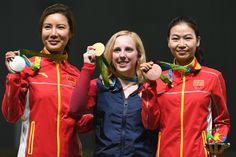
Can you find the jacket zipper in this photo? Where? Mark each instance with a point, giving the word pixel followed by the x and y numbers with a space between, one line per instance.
pixel 59 109
pixel 123 127
pixel 31 138
pixel 182 118
pixel 159 144
pixel 204 141
pixel 147 110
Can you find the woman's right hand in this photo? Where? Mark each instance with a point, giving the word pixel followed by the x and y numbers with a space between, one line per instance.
pixel 9 56
pixel 90 55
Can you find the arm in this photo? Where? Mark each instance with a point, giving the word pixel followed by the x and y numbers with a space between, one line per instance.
pixel 150 110
pixel 14 98
pixel 80 94
pixel 221 121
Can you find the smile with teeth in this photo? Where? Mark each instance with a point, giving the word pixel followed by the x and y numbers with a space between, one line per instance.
pixel 123 62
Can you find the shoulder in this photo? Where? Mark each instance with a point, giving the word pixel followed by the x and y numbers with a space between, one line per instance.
pixel 72 68
pixel 210 71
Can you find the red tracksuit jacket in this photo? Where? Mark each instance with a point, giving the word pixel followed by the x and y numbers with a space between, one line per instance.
pixel 41 100
pixel 185 112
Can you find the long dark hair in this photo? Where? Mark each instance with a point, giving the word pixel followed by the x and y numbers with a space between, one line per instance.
pixel 61 9
pixel 191 23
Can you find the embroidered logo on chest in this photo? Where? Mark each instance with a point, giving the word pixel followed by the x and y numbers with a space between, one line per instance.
pixel 71 79
pixel 198 84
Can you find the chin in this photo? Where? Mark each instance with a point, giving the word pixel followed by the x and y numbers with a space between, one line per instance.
pixel 54 50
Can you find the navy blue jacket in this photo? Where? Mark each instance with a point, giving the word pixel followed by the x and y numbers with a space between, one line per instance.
pixel 119 129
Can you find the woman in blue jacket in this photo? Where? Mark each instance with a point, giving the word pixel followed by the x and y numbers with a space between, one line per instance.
pixel 116 106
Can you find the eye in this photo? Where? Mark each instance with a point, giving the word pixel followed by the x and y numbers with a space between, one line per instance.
pixel 47 27
pixel 188 38
pixel 129 49
pixel 175 38
pixel 117 50
pixel 61 26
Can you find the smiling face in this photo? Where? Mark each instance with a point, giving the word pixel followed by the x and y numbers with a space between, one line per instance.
pixel 55 33
pixel 125 56
pixel 183 43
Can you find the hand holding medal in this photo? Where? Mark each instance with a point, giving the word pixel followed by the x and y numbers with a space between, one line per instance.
pixel 14 63
pixel 93 52
pixel 17 64
pixel 151 71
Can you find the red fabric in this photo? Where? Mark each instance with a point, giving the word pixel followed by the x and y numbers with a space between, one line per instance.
pixel 41 99
pixel 79 96
pixel 186 112
pixel 149 106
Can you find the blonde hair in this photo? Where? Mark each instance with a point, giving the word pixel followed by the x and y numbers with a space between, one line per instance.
pixel 139 46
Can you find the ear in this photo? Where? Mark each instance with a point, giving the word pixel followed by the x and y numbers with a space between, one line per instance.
pixel 168 43
pixel 70 35
pixel 198 41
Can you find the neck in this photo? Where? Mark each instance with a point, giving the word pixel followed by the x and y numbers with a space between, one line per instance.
pixel 129 78
pixel 128 87
pixel 56 52
pixel 125 82
pixel 184 62
pixel 52 52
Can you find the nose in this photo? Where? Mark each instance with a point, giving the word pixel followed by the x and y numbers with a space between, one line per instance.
pixel 54 32
pixel 122 54
pixel 181 43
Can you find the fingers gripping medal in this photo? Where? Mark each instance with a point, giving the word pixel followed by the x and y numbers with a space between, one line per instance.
pixel 154 73
pixel 17 64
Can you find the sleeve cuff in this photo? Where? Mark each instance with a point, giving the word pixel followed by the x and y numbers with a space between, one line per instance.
pixel 88 66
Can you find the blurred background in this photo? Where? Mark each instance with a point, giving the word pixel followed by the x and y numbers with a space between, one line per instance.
pixel 98 20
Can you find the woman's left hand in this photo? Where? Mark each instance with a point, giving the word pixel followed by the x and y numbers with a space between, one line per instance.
pixel 151 71
pixel 145 67
pixel 215 149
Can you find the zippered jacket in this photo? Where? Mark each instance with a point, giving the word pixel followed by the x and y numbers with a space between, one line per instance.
pixel 41 100
pixel 185 112
pixel 119 129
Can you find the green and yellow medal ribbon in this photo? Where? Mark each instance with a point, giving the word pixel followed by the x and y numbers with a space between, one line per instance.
pixel 192 67
pixel 36 65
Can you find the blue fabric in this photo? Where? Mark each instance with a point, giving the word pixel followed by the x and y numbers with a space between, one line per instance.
pixel 119 129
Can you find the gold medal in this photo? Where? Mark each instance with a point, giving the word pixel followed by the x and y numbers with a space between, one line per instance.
pixel 99 48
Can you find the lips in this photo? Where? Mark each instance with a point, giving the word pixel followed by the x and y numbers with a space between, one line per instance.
pixel 122 63
pixel 53 42
pixel 181 52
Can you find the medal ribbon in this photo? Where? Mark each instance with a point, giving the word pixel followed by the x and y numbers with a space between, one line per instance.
pixel 36 65
pixel 174 67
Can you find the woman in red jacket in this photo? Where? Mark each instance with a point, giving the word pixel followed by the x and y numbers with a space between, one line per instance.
pixel 191 107
pixel 40 94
